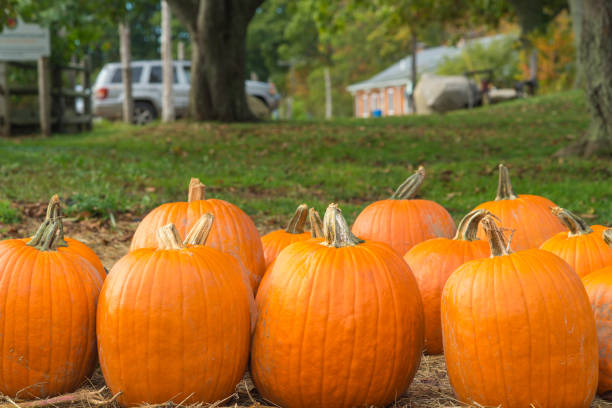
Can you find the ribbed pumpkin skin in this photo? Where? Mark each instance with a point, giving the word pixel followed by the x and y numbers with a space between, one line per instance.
pixel 599 288
pixel 276 241
pixel 233 231
pixel 585 253
pixel 337 327
pixel 402 224
pixel 79 248
pixel 47 316
pixel 172 323
pixel 530 217
pixel 432 262
pixel 518 330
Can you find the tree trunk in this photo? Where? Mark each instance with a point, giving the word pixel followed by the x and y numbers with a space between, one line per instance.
pixel 328 93
pixel 166 51
pixel 180 53
pixel 218 60
pixel 595 59
pixel 126 71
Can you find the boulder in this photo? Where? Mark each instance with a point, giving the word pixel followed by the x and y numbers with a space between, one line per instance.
pixel 436 93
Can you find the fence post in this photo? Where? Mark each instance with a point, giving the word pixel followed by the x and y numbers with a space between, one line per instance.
pixel 44 96
pixel 5 100
pixel 86 88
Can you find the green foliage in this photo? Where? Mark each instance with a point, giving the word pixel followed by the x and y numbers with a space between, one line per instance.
pixel 266 168
pixel 8 213
pixel 83 27
pixel 501 55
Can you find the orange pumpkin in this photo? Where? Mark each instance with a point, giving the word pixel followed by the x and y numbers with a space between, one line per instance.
pixel 275 241
pixel 173 323
pixel 316 229
pixel 340 323
pixel 233 232
pixel 582 246
pixel 66 244
pixel 433 261
pixel 599 288
pixel 47 316
pixel 403 221
pixel 526 217
pixel 518 330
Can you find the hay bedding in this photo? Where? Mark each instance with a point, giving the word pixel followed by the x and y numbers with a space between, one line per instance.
pixel 430 388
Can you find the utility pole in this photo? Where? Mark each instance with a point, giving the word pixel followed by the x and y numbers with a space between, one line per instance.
pixel 167 71
pixel 328 93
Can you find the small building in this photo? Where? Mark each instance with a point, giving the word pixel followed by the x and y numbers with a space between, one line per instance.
pixel 388 92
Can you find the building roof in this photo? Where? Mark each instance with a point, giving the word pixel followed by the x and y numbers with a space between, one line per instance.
pixel 427 60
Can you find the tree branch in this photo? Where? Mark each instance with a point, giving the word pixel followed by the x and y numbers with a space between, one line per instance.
pixel 187 12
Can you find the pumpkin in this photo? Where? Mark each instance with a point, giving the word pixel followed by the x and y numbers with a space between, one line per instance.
pixel 47 316
pixel 598 286
pixel 403 221
pixel 233 231
pixel 433 261
pixel 173 323
pixel 65 244
pixel 340 323
pixel 518 330
pixel 275 241
pixel 582 246
pixel 527 218
pixel 316 228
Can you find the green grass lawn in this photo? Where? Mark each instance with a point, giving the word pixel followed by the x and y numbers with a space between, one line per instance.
pixel 269 168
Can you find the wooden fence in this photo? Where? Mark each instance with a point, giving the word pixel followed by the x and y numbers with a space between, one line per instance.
pixel 57 95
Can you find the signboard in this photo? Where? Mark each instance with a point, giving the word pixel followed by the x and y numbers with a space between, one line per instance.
pixel 21 41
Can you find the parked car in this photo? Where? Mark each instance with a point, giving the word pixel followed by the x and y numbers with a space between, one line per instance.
pixel 147 91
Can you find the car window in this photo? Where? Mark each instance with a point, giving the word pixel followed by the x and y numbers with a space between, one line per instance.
pixel 155 75
pixel 117 76
pixel 187 72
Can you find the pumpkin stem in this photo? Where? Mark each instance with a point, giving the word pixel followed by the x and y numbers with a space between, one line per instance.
pixel 468 227
pixel 316 225
pixel 200 231
pixel 504 187
pixel 409 188
pixel 54 214
pixel 336 230
pixel 607 237
pixel 49 239
pixel 168 237
pixel 296 224
pixel 197 190
pixel 495 236
pixel 576 225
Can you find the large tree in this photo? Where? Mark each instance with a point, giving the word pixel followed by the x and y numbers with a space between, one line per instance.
pixel 593 20
pixel 218 30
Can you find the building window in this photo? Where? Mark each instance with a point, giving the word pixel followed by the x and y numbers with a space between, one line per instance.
pixel 390 101
pixel 364 105
pixel 374 102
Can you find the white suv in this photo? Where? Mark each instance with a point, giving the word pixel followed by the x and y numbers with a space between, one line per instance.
pixel 147 90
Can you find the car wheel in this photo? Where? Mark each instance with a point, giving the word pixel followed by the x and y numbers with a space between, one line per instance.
pixel 144 113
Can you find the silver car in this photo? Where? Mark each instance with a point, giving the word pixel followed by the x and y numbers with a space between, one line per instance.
pixel 147 91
